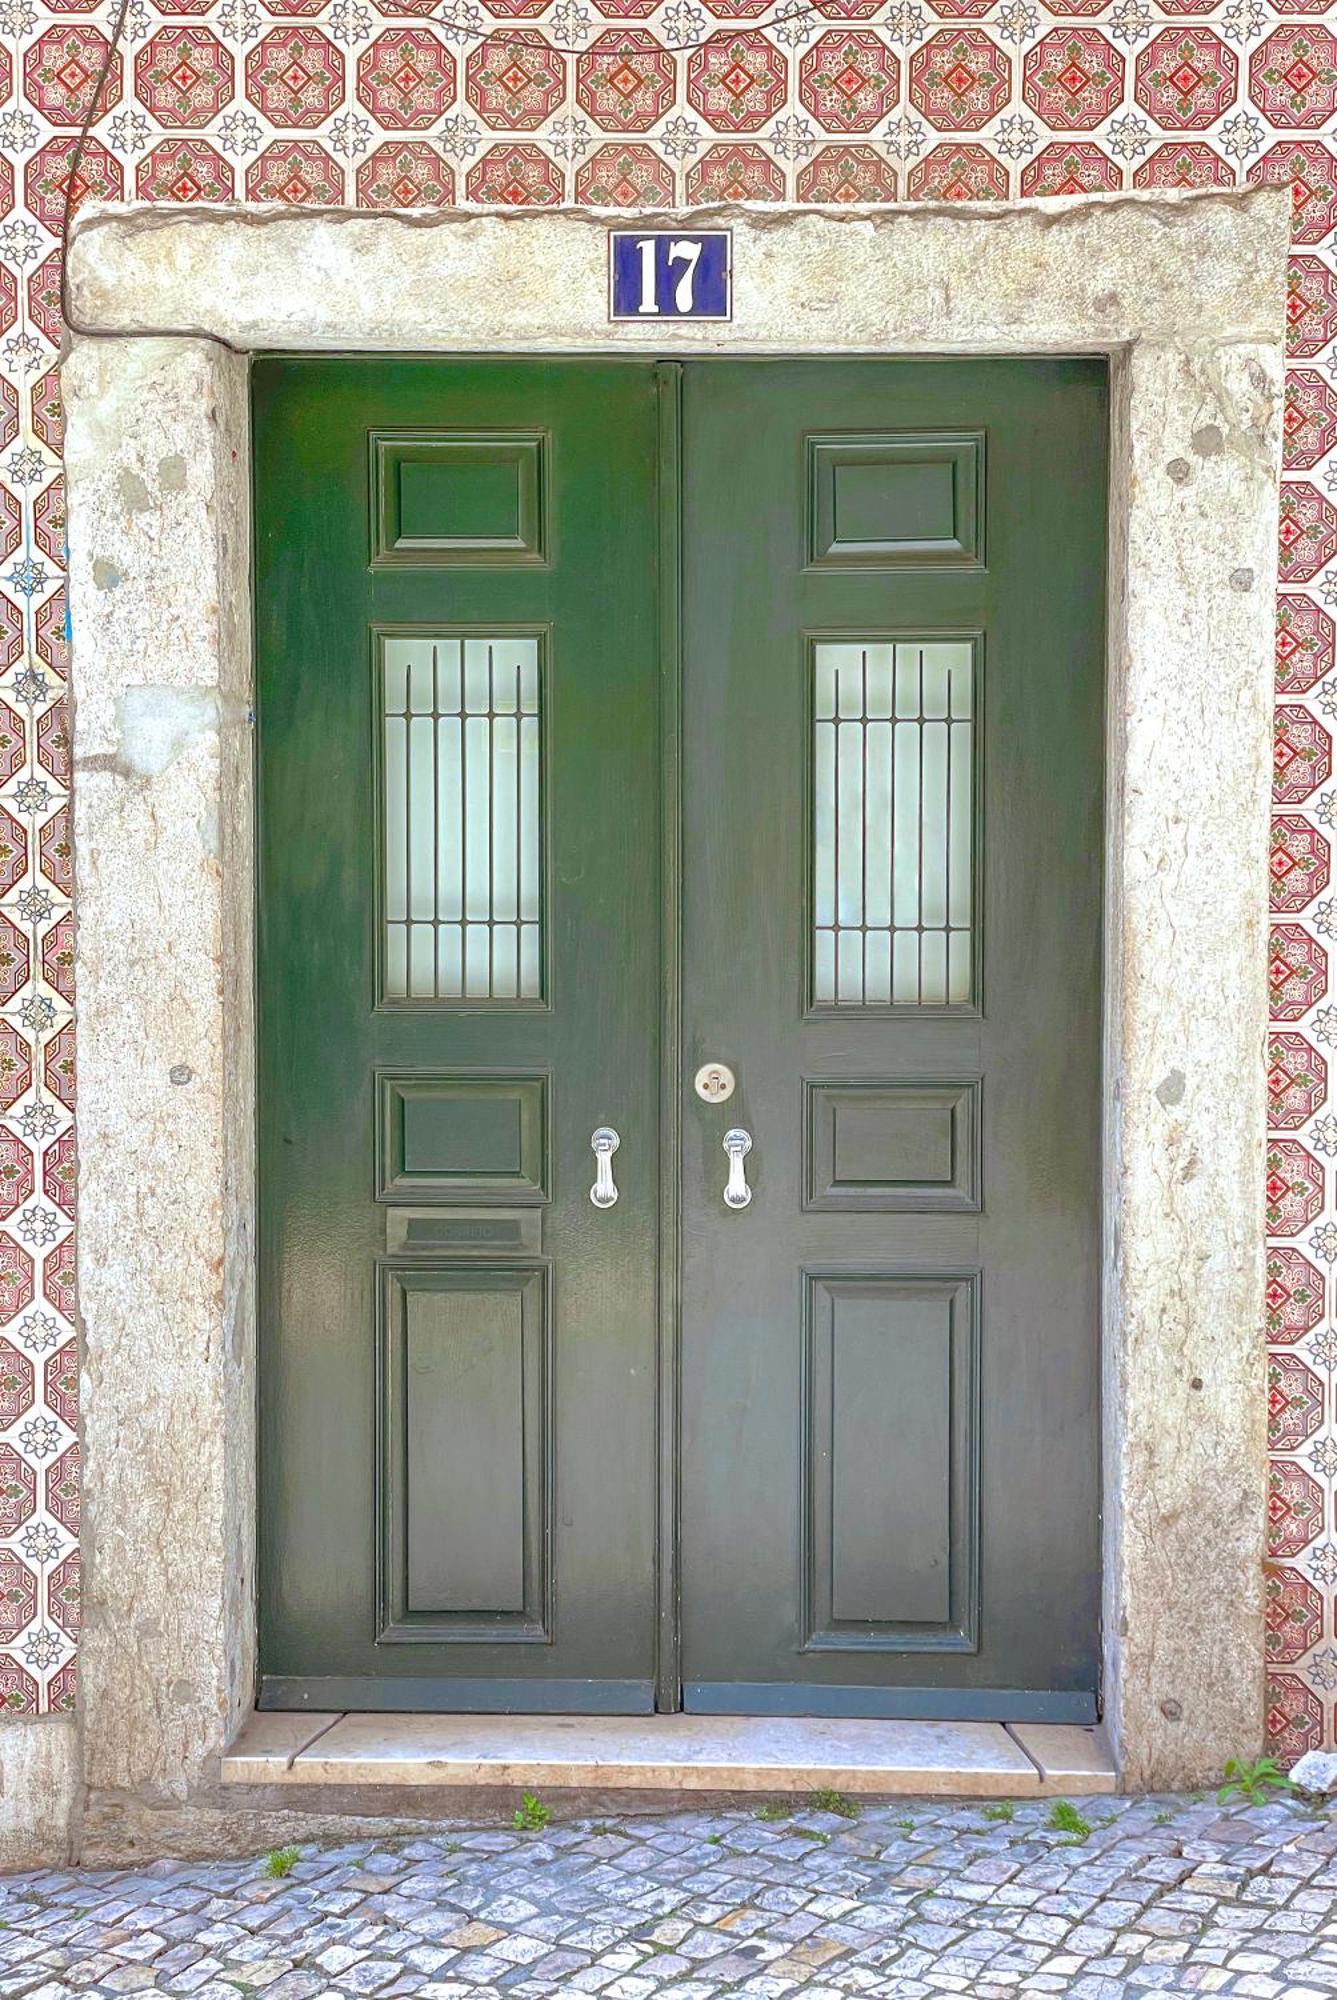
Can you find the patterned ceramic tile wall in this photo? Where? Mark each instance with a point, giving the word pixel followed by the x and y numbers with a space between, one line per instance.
pixel 401 103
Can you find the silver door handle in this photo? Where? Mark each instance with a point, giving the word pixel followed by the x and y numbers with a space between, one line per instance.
pixel 605 1143
pixel 737 1144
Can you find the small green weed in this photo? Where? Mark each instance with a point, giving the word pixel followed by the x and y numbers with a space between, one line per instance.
pixel 714 1839
pixel 906 1825
pixel 812 1833
pixel 1065 1818
pixel 825 1800
pixel 1253 1781
pixel 281 1861
pixel 1000 1809
pixel 772 1812
pixel 531 1815
pixel 1162 1818
pixel 603 1826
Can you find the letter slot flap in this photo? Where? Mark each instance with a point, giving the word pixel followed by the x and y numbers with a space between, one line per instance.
pixel 483 1232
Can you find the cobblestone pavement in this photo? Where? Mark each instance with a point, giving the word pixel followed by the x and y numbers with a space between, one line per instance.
pixel 906 1899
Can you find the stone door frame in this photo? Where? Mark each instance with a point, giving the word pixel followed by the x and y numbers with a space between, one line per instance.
pixel 1185 294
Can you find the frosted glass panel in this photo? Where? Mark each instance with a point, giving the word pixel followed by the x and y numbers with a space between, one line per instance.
pixel 460 781
pixel 893 805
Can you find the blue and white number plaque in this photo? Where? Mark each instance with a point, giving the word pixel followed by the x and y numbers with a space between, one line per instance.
pixel 670 274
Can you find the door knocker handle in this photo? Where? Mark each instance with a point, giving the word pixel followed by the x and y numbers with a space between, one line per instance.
pixel 605 1143
pixel 737 1144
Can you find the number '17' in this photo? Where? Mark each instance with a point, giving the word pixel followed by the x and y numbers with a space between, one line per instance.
pixel 681 252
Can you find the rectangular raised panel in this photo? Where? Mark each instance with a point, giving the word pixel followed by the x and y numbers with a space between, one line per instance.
pixel 461 813
pixel 443 1137
pixel 899 500
pixel 892 1145
pixel 892 1440
pixel 893 822
pixel 463 1498
pixel 459 497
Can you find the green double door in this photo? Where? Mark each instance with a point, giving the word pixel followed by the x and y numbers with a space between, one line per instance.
pixel 679 973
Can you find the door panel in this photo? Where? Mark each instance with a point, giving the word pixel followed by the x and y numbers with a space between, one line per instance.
pixel 881 1497
pixel 459 951
pixel 892 618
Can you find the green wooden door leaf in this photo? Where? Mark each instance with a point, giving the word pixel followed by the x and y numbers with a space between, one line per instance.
pixel 459 816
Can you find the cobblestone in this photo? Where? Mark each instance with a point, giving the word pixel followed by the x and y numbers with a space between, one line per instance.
pixel 903 1902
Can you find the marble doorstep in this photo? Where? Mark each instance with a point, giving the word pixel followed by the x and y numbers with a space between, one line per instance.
pixel 679 1753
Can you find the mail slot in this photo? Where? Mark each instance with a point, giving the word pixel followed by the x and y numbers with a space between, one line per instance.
pixel 488 1231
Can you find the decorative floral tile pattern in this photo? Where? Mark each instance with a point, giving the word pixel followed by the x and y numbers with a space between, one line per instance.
pixel 626 104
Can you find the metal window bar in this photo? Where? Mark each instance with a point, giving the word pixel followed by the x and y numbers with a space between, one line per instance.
pixel 461 818
pixel 893 800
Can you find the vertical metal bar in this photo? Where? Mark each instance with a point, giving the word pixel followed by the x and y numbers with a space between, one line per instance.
pixel 863 844
pixel 436 828
pixel 491 769
pixel 919 951
pixel 835 835
pixel 519 852
pixel 947 851
pixel 464 822
pixel 891 835
pixel 408 828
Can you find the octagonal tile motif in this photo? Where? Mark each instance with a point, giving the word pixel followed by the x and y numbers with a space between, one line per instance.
pixel 1301 754
pixel 184 76
pixel 1069 166
pixel 515 80
pixel 1294 1508
pixel 1311 306
pixel 406 79
pixel 1309 170
pixel 1184 163
pixel 1293 75
pixel 625 80
pixel 1293 1187
pixel 51 189
pixel 184 170
pixel 737 81
pixel 1186 79
pixel 1297 972
pixel 18 1596
pixel 959 80
pixel 1294 1615
pixel 1307 531
pixel 61 71
pixel 958 173
pixel 17 1384
pixel 405 173
pixel 849 80
pixel 839 174
pixel 1309 425
pixel 1305 640
pixel 735 173
pixel 1073 79
pixel 1295 1402
pixel 625 176
pixel 515 176
pixel 295 77
pixel 299 172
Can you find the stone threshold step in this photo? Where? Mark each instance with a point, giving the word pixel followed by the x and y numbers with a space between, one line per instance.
pixel 673 1753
